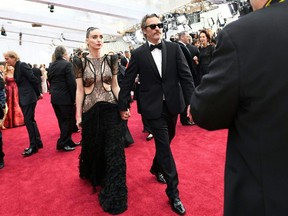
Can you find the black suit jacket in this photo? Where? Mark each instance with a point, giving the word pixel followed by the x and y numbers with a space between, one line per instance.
pixel 175 74
pixel 189 58
pixel 27 83
pixel 62 82
pixel 37 72
pixel 194 51
pixel 246 91
pixel 124 61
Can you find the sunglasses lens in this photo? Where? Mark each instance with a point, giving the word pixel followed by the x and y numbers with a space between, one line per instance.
pixel 160 25
pixel 152 26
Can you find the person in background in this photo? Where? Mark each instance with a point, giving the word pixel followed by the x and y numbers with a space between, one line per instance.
pixel 166 88
pixel 29 93
pixel 14 116
pixel 77 55
pixel 44 86
pixel 246 91
pixel 131 49
pixel 102 158
pixel 196 42
pixel 37 72
pixel 194 52
pixel 63 93
pixel 183 41
pixel 2 75
pixel 125 59
pixel 2 111
pixel 205 54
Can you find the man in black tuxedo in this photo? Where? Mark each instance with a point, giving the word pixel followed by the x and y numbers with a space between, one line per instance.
pixel 125 59
pixel 166 87
pixel 247 93
pixel 29 93
pixel 183 40
pixel 194 51
pixel 37 72
pixel 63 93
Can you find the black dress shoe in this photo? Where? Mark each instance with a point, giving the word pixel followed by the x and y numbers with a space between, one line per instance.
pixel 66 148
pixel 1 163
pixel 29 152
pixel 188 123
pixel 40 146
pixel 73 144
pixel 159 176
pixel 149 137
pixel 177 206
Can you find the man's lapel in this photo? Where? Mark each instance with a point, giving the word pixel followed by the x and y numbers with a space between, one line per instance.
pixel 164 58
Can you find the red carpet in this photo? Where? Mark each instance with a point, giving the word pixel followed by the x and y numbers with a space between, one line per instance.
pixel 47 183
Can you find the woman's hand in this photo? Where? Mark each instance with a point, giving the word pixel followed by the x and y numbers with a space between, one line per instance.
pixel 125 114
pixel 79 123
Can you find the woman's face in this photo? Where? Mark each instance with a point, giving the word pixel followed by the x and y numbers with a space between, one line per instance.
pixel 10 68
pixel 203 39
pixel 95 39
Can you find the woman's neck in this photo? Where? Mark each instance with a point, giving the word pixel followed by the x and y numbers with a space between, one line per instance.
pixel 95 54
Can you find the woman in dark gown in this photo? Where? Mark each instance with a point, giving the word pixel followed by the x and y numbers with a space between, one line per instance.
pixel 102 158
pixel 14 116
pixel 205 54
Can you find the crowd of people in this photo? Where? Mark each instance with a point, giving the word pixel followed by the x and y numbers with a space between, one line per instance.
pixel 227 86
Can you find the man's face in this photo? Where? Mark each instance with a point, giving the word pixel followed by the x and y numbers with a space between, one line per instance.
pixel 153 35
pixel 185 38
pixel 10 61
pixel 127 54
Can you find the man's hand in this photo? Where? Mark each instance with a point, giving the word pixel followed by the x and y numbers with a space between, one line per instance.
pixel 189 114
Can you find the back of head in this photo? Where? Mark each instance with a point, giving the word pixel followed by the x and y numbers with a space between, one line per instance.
pixel 59 52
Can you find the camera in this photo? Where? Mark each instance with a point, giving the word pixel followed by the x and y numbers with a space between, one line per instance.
pixel 245 8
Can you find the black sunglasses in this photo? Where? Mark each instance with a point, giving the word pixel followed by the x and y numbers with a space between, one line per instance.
pixel 153 26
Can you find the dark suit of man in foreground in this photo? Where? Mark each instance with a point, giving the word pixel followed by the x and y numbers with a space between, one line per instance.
pixel 164 74
pixel 246 91
pixel 63 93
pixel 29 93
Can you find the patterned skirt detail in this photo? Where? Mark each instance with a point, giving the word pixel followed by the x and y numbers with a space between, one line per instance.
pixel 102 158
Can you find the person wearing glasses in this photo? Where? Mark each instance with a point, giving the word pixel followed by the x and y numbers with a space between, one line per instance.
pixel 166 88
pixel 246 92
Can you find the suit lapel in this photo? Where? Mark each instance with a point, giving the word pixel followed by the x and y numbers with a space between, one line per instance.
pixel 164 58
pixel 151 60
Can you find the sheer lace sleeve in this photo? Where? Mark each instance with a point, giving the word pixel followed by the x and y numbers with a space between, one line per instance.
pixel 78 67
pixel 114 64
pixel 112 61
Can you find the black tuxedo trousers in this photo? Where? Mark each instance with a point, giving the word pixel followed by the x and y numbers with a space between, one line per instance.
pixel 163 130
pixel 31 125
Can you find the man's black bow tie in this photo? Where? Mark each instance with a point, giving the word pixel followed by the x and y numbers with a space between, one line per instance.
pixel 152 47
